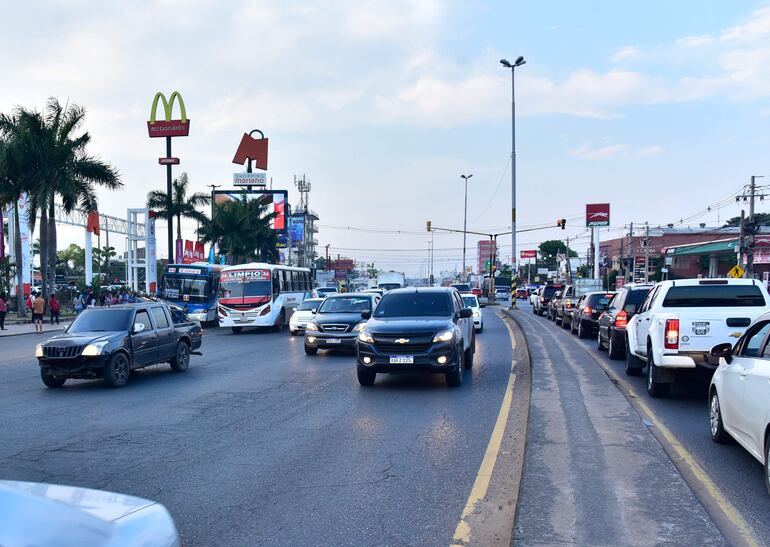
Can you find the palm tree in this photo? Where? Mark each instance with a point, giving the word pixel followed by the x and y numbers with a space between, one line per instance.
pixel 241 228
pixel 182 205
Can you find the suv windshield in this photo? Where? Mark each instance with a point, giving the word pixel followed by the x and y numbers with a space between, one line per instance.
pixel 92 320
pixel 346 304
pixel 713 296
pixel 309 305
pixel 548 291
pixel 415 304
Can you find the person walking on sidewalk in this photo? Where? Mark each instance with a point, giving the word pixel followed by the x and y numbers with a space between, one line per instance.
pixel 77 303
pixel 3 310
pixel 38 311
pixel 55 308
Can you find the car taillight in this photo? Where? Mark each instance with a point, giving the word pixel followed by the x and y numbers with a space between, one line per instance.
pixel 587 309
pixel 621 319
pixel 265 311
pixel 672 334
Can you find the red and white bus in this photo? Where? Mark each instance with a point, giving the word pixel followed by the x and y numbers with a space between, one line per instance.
pixel 260 295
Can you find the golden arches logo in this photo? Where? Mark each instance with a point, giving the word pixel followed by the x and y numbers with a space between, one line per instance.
pixel 168 106
pixel 168 127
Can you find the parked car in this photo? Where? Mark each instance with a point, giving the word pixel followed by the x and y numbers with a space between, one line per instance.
pixel 680 321
pixel 739 394
pixel 37 513
pixel 471 301
pixel 612 323
pixel 585 317
pixel 552 304
pixel 110 342
pixel 422 330
pixel 544 298
pixel 338 321
pixel 303 314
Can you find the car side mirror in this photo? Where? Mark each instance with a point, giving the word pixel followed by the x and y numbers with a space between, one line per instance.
pixel 139 327
pixel 630 308
pixel 315 311
pixel 723 351
pixel 465 313
pixel 366 315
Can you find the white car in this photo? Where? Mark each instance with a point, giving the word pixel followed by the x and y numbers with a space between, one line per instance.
pixel 303 315
pixel 471 301
pixel 739 396
pixel 323 292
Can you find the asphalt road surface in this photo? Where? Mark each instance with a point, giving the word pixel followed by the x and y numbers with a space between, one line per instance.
pixel 259 444
pixel 734 473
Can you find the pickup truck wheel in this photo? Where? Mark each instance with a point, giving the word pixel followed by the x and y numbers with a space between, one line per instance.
pixel 613 350
pixel 633 366
pixel 236 330
pixel 310 350
pixel 116 370
pixel 181 360
pixel 366 377
pixel 718 433
pixel 468 357
pixel 455 378
pixel 51 380
pixel 655 387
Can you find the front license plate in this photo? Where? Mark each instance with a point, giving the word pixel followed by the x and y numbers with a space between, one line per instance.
pixel 333 341
pixel 401 359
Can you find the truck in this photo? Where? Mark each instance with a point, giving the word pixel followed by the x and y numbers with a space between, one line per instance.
pixel 570 296
pixel 388 281
pixel 680 321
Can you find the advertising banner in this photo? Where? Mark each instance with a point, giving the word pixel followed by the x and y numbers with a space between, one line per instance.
pixel 250 179
pixel 274 202
pixel 193 252
pixel 528 254
pixel 297 230
pixel 179 254
pixel 26 243
pixel 152 256
pixel 597 214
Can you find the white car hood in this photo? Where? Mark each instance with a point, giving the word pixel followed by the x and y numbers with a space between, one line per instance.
pixel 305 315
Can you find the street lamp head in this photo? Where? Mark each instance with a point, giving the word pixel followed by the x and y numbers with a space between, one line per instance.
pixel 506 63
pixel 466 177
pixel 520 61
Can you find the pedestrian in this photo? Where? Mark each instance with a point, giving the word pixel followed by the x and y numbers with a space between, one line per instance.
pixel 55 308
pixel 90 299
pixel 38 311
pixel 77 303
pixel 3 310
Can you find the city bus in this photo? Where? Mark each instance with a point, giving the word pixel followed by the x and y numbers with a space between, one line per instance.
pixel 193 287
pixel 260 295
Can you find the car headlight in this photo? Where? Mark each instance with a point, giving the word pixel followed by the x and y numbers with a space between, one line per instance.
pixel 444 336
pixel 359 326
pixel 311 326
pixel 365 337
pixel 39 350
pixel 92 350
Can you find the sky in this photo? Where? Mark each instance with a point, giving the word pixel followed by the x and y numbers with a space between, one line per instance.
pixel 659 108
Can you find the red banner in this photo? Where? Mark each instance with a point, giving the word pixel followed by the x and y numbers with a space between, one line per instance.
pixel 528 254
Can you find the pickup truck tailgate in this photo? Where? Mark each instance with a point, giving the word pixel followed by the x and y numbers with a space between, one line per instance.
pixel 701 331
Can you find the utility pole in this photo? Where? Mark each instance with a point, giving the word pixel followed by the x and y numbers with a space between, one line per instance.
pixel 597 254
pixel 465 216
pixel 569 267
pixel 646 252
pixel 631 259
pixel 328 263
pixel 741 238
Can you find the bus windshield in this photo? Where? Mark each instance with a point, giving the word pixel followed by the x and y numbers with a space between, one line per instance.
pixel 194 287
pixel 245 284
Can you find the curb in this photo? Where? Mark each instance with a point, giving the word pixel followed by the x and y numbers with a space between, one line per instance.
pixel 26 333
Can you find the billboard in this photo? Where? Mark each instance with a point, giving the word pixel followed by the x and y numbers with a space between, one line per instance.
pixel 275 201
pixel 528 254
pixel 597 214
pixel 297 228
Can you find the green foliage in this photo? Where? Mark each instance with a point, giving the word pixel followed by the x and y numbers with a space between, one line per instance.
pixel 762 219
pixel 182 205
pixel 7 271
pixel 320 263
pixel 549 249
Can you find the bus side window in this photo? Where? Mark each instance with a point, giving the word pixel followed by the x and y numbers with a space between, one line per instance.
pixel 294 281
pixel 306 280
pixel 276 285
pixel 286 285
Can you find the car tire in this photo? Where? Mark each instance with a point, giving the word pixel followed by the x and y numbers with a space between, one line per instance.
pixel 365 377
pixel 50 380
pixel 310 350
pixel 716 425
pixel 612 349
pixel 599 343
pixel 237 330
pixel 655 387
pixel 455 377
pixel 468 358
pixel 117 370
pixel 481 328
pixel 633 365
pixel 181 360
pixel 281 321
pixel 767 464
pixel 293 332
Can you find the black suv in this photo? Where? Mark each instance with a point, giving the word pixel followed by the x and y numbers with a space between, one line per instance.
pixel 110 342
pixel 585 317
pixel 612 323
pixel 540 306
pixel 337 321
pixel 417 330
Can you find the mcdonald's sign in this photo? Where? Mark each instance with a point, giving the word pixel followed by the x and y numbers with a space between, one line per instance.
pixel 168 127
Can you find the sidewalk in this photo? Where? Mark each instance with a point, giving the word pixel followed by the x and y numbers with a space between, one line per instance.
pixel 29 328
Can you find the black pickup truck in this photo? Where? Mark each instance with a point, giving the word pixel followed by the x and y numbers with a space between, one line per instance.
pixel 110 342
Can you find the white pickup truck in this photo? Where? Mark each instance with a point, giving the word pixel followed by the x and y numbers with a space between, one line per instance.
pixel 680 321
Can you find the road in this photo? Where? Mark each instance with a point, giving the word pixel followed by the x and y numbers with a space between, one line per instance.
pixel 734 474
pixel 259 444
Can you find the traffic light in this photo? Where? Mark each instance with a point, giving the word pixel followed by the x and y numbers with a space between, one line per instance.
pixel 561 223
pixel 428 224
pixel 432 280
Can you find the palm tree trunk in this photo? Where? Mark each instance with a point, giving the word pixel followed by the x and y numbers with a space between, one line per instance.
pixel 52 244
pixel 21 309
pixel 44 250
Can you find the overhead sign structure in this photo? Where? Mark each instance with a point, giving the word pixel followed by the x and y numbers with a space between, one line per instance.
pixel 250 179
pixel 168 127
pixel 528 254
pixel 597 214
pixel 736 271
pixel 251 149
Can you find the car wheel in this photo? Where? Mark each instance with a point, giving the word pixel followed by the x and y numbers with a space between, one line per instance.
pixel 455 378
pixel 293 332
pixel 534 310
pixel 366 377
pixel 51 380
pixel 236 330
pixel 310 350
pixel 767 464
pixel 468 358
pixel 481 328
pixel 599 343
pixel 116 370
pixel 181 360
pixel 718 433
pixel 281 321
pixel 633 365
pixel 613 350
pixel 655 387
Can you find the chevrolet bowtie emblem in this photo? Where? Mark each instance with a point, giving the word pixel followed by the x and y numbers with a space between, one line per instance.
pixel 402 340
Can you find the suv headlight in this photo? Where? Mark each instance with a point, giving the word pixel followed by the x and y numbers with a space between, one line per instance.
pixel 444 336
pixel 39 350
pixel 365 337
pixel 358 326
pixel 311 326
pixel 92 350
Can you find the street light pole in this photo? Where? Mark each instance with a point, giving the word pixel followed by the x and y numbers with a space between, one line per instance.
pixel 519 61
pixel 465 216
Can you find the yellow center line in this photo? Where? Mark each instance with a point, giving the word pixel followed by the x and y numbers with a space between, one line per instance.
pixel 462 533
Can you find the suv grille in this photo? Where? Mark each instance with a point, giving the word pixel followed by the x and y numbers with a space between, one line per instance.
pixel 416 343
pixel 334 328
pixel 58 352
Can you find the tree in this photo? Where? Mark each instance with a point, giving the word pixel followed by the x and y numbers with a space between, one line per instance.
pixel 241 228
pixel 549 249
pixel 101 257
pixel 320 263
pixel 182 205
pixel 762 219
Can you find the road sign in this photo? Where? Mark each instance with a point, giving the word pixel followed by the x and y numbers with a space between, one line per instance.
pixel 597 214
pixel 250 179
pixel 528 254
pixel 736 271
pixel 168 161
pixel 463 277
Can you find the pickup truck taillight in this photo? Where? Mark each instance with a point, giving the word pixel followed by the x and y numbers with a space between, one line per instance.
pixel 265 311
pixel 672 334
pixel 621 319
